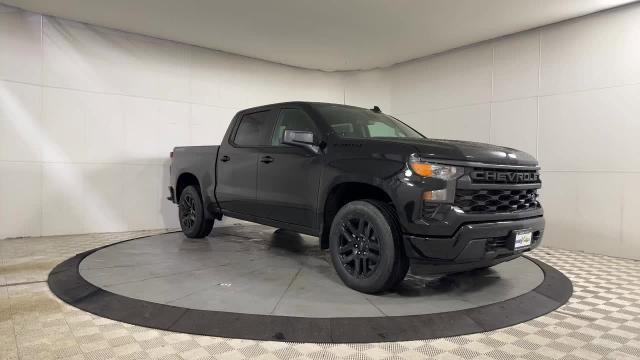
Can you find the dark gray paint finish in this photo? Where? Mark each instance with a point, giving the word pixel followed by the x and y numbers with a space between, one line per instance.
pixel 66 282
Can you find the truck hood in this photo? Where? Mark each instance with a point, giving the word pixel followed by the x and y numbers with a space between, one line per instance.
pixel 468 151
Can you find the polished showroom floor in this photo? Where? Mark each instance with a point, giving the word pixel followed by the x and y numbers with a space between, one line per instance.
pixel 601 320
pixel 282 274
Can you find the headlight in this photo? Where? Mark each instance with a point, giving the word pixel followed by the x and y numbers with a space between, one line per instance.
pixel 448 173
pixel 424 168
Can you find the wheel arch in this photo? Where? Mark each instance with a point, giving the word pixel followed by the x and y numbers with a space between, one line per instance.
pixel 185 179
pixel 342 193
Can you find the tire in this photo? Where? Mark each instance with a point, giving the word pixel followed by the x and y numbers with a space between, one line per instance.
pixel 193 222
pixel 365 242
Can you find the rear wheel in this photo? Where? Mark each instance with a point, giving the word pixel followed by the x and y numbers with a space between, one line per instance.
pixel 191 214
pixel 366 247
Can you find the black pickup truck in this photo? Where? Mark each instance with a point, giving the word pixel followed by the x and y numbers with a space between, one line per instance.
pixel 380 196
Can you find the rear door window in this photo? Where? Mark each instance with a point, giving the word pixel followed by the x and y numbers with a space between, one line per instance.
pixel 254 129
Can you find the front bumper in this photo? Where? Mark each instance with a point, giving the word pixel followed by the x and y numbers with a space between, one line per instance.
pixel 473 245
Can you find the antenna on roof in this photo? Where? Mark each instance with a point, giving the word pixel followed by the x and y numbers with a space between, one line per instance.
pixel 376 109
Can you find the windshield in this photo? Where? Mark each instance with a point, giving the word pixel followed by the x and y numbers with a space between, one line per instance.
pixel 353 122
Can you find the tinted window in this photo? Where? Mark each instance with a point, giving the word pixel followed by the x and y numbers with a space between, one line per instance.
pixel 291 119
pixel 254 129
pixel 354 122
pixel 381 129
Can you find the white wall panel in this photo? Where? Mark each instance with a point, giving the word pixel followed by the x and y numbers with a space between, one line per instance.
pixel 591 130
pixel 156 68
pixel 470 123
pixel 515 124
pixel 67 59
pixel 20 122
pixel 153 128
pixel 222 84
pixel 408 84
pixel 64 125
pixel 630 246
pixel 208 124
pixel 421 121
pixel 584 212
pixel 593 52
pixel 319 86
pixel 559 198
pixel 63 199
pixel 84 57
pixel 104 192
pixel 268 83
pixel 105 128
pixel 238 82
pixel 20 208
pixel 516 66
pixel 21 53
pixel 446 80
pixel 367 89
pixel 157 211
pixel 461 78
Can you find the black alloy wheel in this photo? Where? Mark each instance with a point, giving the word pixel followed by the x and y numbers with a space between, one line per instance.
pixel 193 220
pixel 188 212
pixel 366 247
pixel 359 248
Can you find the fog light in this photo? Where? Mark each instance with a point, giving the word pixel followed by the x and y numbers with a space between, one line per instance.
pixel 435 195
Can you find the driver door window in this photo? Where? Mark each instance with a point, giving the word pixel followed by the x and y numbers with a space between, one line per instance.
pixel 291 119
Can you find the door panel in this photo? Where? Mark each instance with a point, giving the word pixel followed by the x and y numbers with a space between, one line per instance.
pixel 289 176
pixel 236 185
pixel 288 185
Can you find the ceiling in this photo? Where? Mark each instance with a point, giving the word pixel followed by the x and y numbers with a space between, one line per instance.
pixel 322 34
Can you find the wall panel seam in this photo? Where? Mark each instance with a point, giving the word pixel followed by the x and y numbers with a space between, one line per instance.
pixel 41 117
pixel 117 94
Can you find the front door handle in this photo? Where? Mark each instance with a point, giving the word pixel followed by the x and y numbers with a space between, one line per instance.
pixel 266 159
pixel 225 158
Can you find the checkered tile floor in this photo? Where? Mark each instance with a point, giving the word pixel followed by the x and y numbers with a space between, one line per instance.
pixel 601 321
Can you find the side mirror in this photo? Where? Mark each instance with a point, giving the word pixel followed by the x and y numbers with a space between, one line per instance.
pixel 303 139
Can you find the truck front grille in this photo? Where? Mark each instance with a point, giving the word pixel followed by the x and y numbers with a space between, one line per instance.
pixel 496 201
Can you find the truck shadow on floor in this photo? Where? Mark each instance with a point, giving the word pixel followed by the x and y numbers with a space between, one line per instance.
pixel 412 286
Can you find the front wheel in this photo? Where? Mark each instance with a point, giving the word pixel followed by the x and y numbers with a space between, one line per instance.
pixel 366 247
pixel 191 214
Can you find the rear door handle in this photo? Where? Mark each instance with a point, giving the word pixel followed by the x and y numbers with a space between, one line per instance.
pixel 225 158
pixel 266 159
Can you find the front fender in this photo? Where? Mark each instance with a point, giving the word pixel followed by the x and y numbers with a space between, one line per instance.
pixel 379 173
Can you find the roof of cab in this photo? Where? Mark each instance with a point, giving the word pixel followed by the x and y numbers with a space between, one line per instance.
pixel 297 103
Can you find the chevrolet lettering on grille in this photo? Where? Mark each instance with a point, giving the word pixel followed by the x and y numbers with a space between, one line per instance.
pixel 505 176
